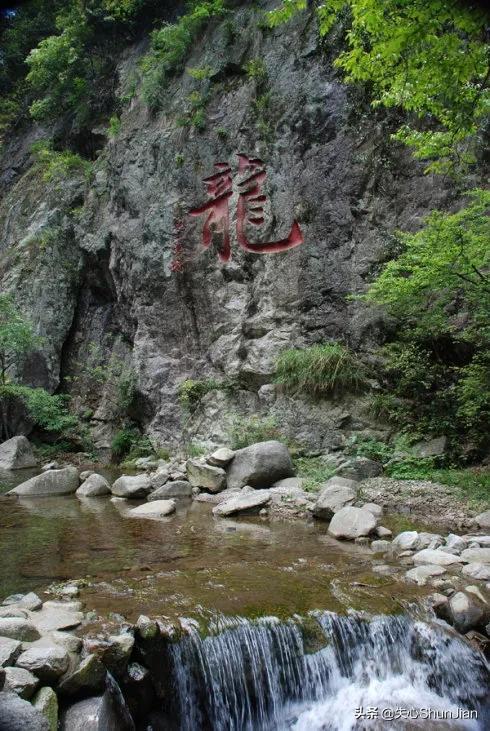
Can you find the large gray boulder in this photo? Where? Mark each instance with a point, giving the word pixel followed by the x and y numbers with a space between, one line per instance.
pixel 9 651
pixel 360 468
pixel 465 612
pixel 250 501
pixel 54 482
pixel 19 715
pixel 260 465
pixel 201 474
pixel 221 457
pixel 478 555
pixel 20 681
pixel 132 487
pixel 29 601
pixel 334 495
pixel 19 629
pixel 435 557
pixel 89 677
pixel 107 712
pixel 483 520
pixel 46 701
pixel 175 489
pixel 16 454
pixel 350 523
pixel 47 662
pixel 480 571
pixel 94 486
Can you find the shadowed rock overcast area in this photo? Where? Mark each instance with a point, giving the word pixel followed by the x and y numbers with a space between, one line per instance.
pixel 244 365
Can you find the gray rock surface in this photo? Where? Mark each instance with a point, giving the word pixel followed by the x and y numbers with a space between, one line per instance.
pixel 154 509
pixel 20 681
pixel 332 498
pixel 132 487
pixel 48 663
pixel 420 574
pixel 203 475
pixel 94 486
pixel 46 702
pixel 19 715
pixel 476 555
pixel 16 454
pixel 360 468
pixel 29 601
pixel 245 502
pixel 439 558
pixel 465 612
pixel 173 489
pixel 480 571
pixel 221 457
pixel 18 629
pixel 89 677
pixel 54 482
pixel 350 523
pixel 483 519
pixel 9 651
pixel 380 546
pixel 373 508
pixel 260 465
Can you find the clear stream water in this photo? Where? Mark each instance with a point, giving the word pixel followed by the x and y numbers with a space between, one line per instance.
pixel 289 629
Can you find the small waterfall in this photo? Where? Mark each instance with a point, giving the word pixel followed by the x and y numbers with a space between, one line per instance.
pixel 312 674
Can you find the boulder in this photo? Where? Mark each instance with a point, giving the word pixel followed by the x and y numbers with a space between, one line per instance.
pixel 20 681
pixel 431 447
pixel 84 474
pixel 50 466
pixel 56 616
pixel 380 546
pixel 18 629
pixel 16 454
pixel 480 571
pixel 350 523
pixel 373 508
pixel 476 555
pixel 107 712
pixel 289 485
pixel 19 715
pixel 153 509
pixel 383 532
pixel 94 486
pixel 46 662
pixel 118 652
pixel 29 601
pixel 132 487
pixel 221 457
pixel 54 482
pixel 46 702
pixel 203 475
pixel 360 468
pixel 260 465
pixel 146 463
pixel 435 557
pixel 420 574
pixel 89 677
pixel 405 541
pixel 454 543
pixel 465 612
pixel 177 488
pixel 331 499
pixel 9 651
pixel 70 642
pixel 159 478
pixel 251 501
pixel 216 498
pixel 483 520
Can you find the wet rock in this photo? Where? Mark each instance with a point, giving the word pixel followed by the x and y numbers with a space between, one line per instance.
pixel 360 468
pixel 289 485
pixel 221 457
pixel 20 681
pixel 51 618
pixel 260 465
pixel 174 489
pixel 380 546
pixel 216 498
pixel 331 499
pixel 476 555
pixel 483 519
pixel 118 652
pixel 420 574
pixel 480 571
pixel 203 475
pixel 46 701
pixel 54 482
pixel 94 486
pixel 84 475
pixel 434 556
pixel 29 601
pixel 132 487
pixel 89 676
pixel 248 502
pixel 153 509
pixel 107 712
pixel 16 454
pixel 376 510
pixel 48 663
pixel 464 612
pixel 383 532
pixel 19 715
pixel 70 642
pixel 350 523
pixel 18 629
pixel 9 651
pixel 146 628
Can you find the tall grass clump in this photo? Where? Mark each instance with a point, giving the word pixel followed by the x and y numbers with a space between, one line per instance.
pixel 320 370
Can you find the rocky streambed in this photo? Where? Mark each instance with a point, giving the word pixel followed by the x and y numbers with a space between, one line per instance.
pixel 181 597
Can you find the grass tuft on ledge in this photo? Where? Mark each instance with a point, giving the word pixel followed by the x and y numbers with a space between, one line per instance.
pixel 320 370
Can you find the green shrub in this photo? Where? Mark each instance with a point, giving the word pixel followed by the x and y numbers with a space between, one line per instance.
pixel 247 431
pixel 370 448
pixel 56 166
pixel 191 392
pixel 256 70
pixel 114 126
pixel 129 444
pixel 320 370
pixel 200 73
pixel 314 471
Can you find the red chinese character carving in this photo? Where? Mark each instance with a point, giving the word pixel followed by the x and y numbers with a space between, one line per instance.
pixel 219 186
pixel 250 209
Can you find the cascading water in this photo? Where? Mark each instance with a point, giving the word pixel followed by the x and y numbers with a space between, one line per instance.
pixel 265 676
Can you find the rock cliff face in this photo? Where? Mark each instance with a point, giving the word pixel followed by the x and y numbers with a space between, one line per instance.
pixel 120 263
